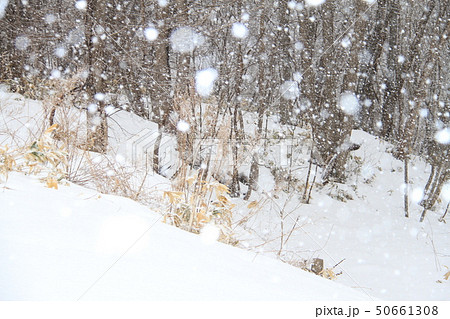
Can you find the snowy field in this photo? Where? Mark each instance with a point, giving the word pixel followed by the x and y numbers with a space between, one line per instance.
pixel 77 243
pixel 74 243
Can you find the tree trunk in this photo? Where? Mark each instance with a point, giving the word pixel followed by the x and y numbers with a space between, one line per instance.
pixel 438 176
pixel 332 127
pixel 160 85
pixel 96 120
pixel 367 89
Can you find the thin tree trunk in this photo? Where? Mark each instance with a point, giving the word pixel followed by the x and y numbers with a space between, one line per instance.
pixel 406 180
pixel 97 137
pixel 254 168
pixel 436 181
pixel 160 86
pixel 308 174
pixel 445 213
pixel 156 147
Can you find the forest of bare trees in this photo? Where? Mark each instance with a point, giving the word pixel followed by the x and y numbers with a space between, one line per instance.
pixel 387 59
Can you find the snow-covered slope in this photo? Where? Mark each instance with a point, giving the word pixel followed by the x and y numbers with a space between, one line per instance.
pixel 74 243
pixel 360 223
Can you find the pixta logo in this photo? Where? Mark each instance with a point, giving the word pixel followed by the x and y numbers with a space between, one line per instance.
pixel 140 148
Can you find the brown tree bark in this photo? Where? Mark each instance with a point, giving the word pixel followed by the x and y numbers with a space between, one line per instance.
pixel 97 137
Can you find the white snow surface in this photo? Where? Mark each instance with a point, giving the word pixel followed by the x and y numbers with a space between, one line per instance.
pixel 74 243
pixel 71 236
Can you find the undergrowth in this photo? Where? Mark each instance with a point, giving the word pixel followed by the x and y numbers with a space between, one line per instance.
pixel 198 203
pixel 43 157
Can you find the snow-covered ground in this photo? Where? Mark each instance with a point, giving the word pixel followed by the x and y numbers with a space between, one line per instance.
pixel 75 243
pixel 363 224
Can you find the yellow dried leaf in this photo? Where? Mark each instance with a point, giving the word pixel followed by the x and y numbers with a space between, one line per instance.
pixel 218 204
pixel 52 183
pixel 202 218
pixel 447 275
pixel 252 204
pixel 221 188
pixel 328 274
pixel 190 180
pixel 173 196
pixel 51 129
pixel 223 200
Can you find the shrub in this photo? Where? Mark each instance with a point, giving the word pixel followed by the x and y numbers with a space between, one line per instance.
pixel 199 203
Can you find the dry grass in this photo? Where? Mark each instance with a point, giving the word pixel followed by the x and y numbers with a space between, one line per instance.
pixel 199 203
pixel 43 157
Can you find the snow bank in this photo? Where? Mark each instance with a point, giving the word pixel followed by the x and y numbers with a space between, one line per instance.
pixel 75 243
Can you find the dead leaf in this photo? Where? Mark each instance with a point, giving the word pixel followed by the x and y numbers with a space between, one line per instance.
pixel 52 183
pixel 173 196
pixel 51 128
pixel 252 204
pixel 447 275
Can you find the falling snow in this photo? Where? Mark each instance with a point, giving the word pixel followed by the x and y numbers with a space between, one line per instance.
pixel 60 52
pixel 291 5
pixel 50 18
pixel 185 40
pixel 22 43
pixel 346 42
pixel 163 3
pixel 290 90
pixel 314 3
pixel 297 76
pixel 417 195
pixel 443 136
pixel 92 108
pixel 81 5
pixel 204 81
pixel 239 30
pixel 55 74
pixel 183 126
pixel 349 104
pixel 299 46
pixel 99 96
pixel 423 113
pixel 151 34
pixel 110 109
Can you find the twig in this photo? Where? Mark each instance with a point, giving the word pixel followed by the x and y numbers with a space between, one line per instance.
pixel 308 174
pixel 445 213
pixel 292 229
pixel 338 264
pixel 312 185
